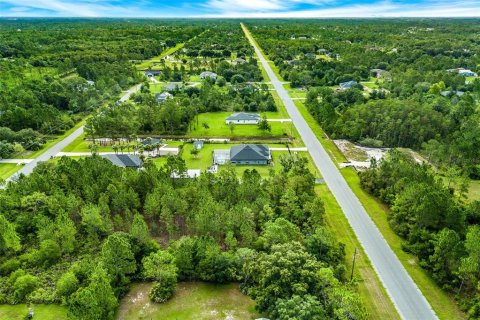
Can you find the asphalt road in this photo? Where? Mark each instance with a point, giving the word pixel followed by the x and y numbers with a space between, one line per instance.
pixel 407 298
pixel 59 146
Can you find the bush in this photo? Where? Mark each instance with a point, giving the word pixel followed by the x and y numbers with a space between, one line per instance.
pixel 67 284
pixel 24 285
pixel 162 290
pixel 49 252
pixel 9 266
pixel 373 143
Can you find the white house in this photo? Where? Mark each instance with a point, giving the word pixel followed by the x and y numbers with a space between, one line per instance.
pixel 162 97
pixel 208 74
pixel 244 118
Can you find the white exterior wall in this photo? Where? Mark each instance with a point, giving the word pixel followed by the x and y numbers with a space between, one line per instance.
pixel 242 121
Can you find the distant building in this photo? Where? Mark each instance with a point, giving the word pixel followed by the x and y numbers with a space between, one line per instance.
pixel 172 86
pixel 124 160
pixel 463 72
pixel 239 61
pixel 245 154
pixel 348 85
pixel 310 56
pixel 90 82
pixel 377 72
pixel 322 51
pixel 467 73
pixel 198 145
pixel 190 174
pixel 452 93
pixel 208 74
pixel 152 73
pixel 153 141
pixel 244 118
pixel 162 97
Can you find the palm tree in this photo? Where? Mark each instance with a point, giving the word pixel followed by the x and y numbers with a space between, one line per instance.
pixel 93 148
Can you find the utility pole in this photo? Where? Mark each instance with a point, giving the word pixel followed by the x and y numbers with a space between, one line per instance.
pixel 353 264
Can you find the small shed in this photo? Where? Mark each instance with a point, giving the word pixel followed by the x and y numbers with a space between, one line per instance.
pixel 198 145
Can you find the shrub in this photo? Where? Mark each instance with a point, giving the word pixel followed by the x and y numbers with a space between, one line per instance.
pixel 24 285
pixel 162 290
pixel 9 266
pixel 67 284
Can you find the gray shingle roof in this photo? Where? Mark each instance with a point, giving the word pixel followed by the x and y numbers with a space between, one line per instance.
pixel 249 152
pixel 244 116
pixel 124 160
pixel 348 84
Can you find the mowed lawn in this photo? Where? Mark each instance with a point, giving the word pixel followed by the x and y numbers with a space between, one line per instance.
pixel 7 169
pixel 191 301
pixel 41 312
pixel 217 128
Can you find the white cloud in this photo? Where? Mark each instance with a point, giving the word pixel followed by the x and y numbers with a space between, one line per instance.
pixel 379 9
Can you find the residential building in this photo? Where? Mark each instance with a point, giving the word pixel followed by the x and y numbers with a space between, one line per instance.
pixel 162 97
pixel 348 85
pixel 244 118
pixel 208 74
pixel 250 154
pixel 244 154
pixel 124 160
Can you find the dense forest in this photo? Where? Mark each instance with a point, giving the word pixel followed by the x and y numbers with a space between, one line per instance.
pixel 437 225
pixel 416 99
pixel 79 232
pixel 55 71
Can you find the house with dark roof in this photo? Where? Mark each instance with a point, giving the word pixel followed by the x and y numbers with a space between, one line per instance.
pixel 162 97
pixel 152 141
pixel 258 154
pixel 124 160
pixel 208 74
pixel 348 85
pixel 152 73
pixel 244 118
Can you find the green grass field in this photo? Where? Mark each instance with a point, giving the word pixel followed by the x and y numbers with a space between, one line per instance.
pixel 219 129
pixel 474 190
pixel 7 169
pixel 41 312
pixel 191 301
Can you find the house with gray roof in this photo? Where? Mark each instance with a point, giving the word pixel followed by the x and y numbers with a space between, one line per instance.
pixel 152 73
pixel 250 154
pixel 208 74
pixel 244 154
pixel 244 118
pixel 162 97
pixel 348 85
pixel 172 86
pixel 124 160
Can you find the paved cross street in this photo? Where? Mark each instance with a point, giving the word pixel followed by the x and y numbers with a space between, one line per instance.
pixel 59 146
pixel 407 298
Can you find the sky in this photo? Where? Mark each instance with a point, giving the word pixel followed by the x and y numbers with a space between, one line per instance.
pixel 240 8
